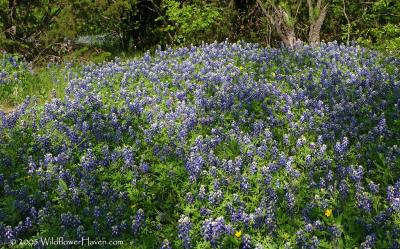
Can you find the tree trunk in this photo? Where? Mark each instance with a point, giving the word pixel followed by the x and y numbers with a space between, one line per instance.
pixel 317 16
pixel 11 29
pixel 279 19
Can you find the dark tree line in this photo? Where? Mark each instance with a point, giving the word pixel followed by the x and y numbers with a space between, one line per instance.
pixel 49 27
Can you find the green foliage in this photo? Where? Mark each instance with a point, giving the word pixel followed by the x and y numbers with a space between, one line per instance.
pixel 26 23
pixel 371 23
pixel 383 30
pixel 386 38
pixel 193 21
pixel 114 18
pixel 18 80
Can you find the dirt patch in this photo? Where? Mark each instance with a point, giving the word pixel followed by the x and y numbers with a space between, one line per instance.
pixel 6 109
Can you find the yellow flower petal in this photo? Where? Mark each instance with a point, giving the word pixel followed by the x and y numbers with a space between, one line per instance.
pixel 238 233
pixel 328 212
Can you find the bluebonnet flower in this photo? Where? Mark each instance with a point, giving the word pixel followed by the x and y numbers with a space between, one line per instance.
pixel 216 184
pixel 138 222
pixel 144 167
pixel 290 200
pixel 381 127
pixel 194 165
pixel 341 147
pixel 216 197
pixel 213 171
pixel 110 219
pixel 80 232
pixel 205 211
pixel 301 238
pixel 123 226
pixel 214 229
pixel 253 168
pixel 374 188
pixel 286 139
pixel 88 161
pixel 383 216
pixel 308 159
pixel 246 242
pixel 314 243
pixel 189 197
pixel 75 196
pixel 128 156
pixel 343 189
pixel 202 193
pixel 363 201
pixel 96 227
pixel 244 184
pixel 184 227
pixel 301 141
pixel 115 230
pixel 335 231
pixel 9 234
pixel 393 196
pixel 166 245
pixel 67 219
pixel 369 242
pixel 356 174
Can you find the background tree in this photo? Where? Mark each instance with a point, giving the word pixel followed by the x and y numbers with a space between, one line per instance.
pixel 40 29
pixel 317 13
pixel 25 24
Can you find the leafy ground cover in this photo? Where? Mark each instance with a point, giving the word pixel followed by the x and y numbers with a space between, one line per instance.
pixel 18 79
pixel 225 145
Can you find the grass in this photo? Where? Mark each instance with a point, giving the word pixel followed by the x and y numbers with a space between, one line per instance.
pixel 18 80
pixel 42 82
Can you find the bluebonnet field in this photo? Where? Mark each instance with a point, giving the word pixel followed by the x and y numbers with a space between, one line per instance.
pixel 225 145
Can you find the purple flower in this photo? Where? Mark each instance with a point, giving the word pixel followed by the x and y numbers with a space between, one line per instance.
pixel 289 196
pixel 393 196
pixel 246 242
pixel 184 227
pixel 194 165
pixel 369 242
pixel 115 230
pixel 341 147
pixel 128 156
pixel 138 222
pixel 214 229
pixel 189 198
pixel 363 201
pixel 202 193
pixel 81 232
pixel 216 197
pixel 166 245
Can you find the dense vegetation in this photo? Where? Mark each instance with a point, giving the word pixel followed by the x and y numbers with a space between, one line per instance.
pixel 218 124
pixel 224 145
pixel 49 30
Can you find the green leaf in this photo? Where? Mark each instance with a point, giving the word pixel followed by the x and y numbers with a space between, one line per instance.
pixel 63 185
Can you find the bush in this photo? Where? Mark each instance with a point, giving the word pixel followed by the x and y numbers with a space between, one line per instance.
pixel 196 21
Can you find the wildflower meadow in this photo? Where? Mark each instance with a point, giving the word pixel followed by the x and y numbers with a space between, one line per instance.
pixel 221 145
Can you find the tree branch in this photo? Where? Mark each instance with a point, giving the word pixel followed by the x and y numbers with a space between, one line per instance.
pixel 348 23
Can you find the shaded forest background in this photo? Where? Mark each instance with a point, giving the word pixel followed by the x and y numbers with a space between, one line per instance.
pixel 47 30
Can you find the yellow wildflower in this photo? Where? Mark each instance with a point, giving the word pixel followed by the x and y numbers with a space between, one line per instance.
pixel 241 67
pixel 328 212
pixel 238 233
